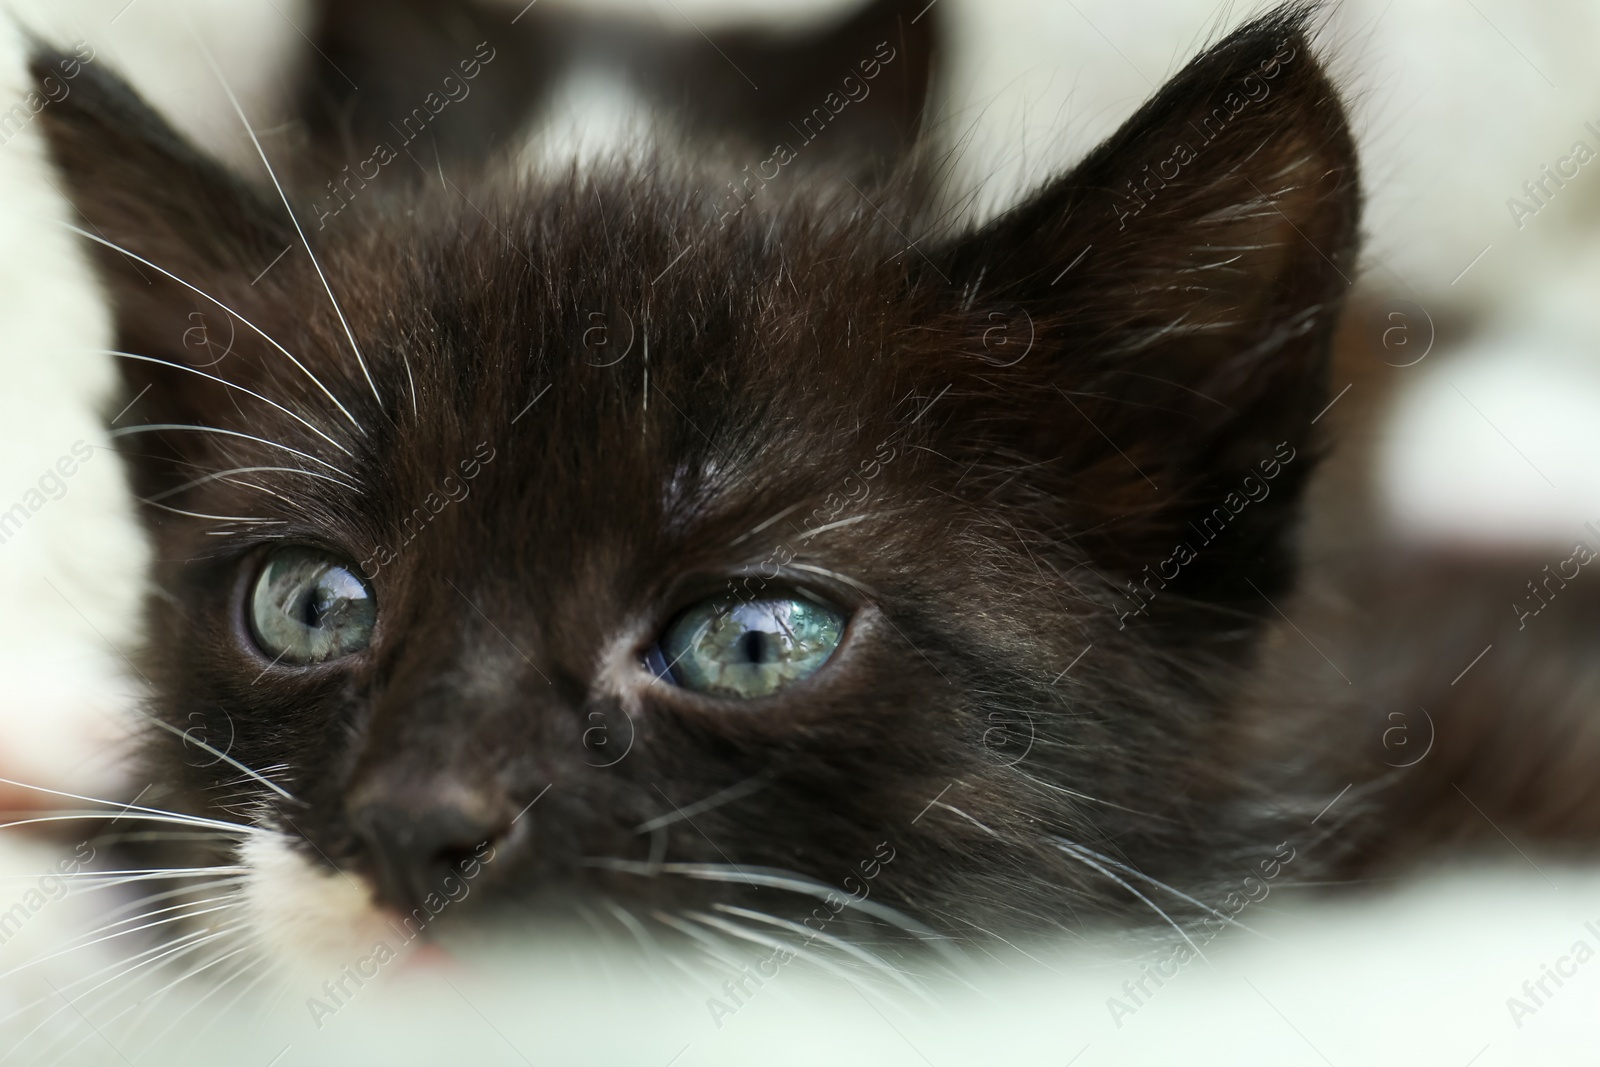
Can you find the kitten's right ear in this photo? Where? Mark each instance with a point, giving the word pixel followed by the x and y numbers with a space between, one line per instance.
pixel 1171 303
pixel 167 222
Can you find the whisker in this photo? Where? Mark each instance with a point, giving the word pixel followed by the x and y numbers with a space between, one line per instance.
pixel 957 811
pixel 94 974
pixel 836 576
pixel 632 925
pixel 266 972
pixel 770 878
pixel 655 949
pixel 246 470
pixel 603 957
pixel 145 836
pixel 249 519
pixel 192 974
pixel 790 510
pixel 410 381
pixel 124 809
pixel 713 947
pixel 155 427
pixel 179 820
pixel 1073 846
pixel 184 734
pixel 176 819
pixel 124 933
pixel 231 385
pixel 1085 797
pixel 135 875
pixel 262 152
pixel 809 534
pixel 201 292
pixel 1152 905
pixel 164 952
pixel 188 890
pixel 78 1003
pixel 766 941
pixel 872 960
pixel 239 972
pixel 737 791
pixel 151 898
pixel 1010 944
pixel 24 1009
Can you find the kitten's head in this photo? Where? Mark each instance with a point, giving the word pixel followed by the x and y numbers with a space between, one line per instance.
pixel 702 562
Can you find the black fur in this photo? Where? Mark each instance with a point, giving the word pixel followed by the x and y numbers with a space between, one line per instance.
pixel 784 371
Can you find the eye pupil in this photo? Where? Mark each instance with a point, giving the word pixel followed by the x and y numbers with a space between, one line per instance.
pixel 755 644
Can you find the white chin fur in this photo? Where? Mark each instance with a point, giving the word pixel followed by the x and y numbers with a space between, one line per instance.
pixel 304 915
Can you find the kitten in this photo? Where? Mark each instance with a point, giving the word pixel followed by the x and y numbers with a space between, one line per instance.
pixel 540 540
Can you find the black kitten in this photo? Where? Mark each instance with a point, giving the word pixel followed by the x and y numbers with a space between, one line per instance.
pixel 588 538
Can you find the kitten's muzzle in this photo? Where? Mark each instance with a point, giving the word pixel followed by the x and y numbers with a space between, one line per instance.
pixel 413 852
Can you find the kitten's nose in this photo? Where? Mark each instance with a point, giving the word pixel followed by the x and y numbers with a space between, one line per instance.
pixel 414 850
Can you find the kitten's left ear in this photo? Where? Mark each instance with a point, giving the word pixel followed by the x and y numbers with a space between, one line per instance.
pixel 142 185
pixel 142 190
pixel 1179 289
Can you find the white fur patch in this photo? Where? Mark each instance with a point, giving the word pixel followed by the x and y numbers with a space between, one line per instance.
pixel 303 914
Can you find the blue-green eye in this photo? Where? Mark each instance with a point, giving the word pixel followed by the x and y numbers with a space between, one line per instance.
pixel 729 648
pixel 308 607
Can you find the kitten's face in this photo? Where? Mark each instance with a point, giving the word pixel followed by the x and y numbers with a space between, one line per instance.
pixel 595 548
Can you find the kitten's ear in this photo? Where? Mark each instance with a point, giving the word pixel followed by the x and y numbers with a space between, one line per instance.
pixel 140 186
pixel 1179 289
